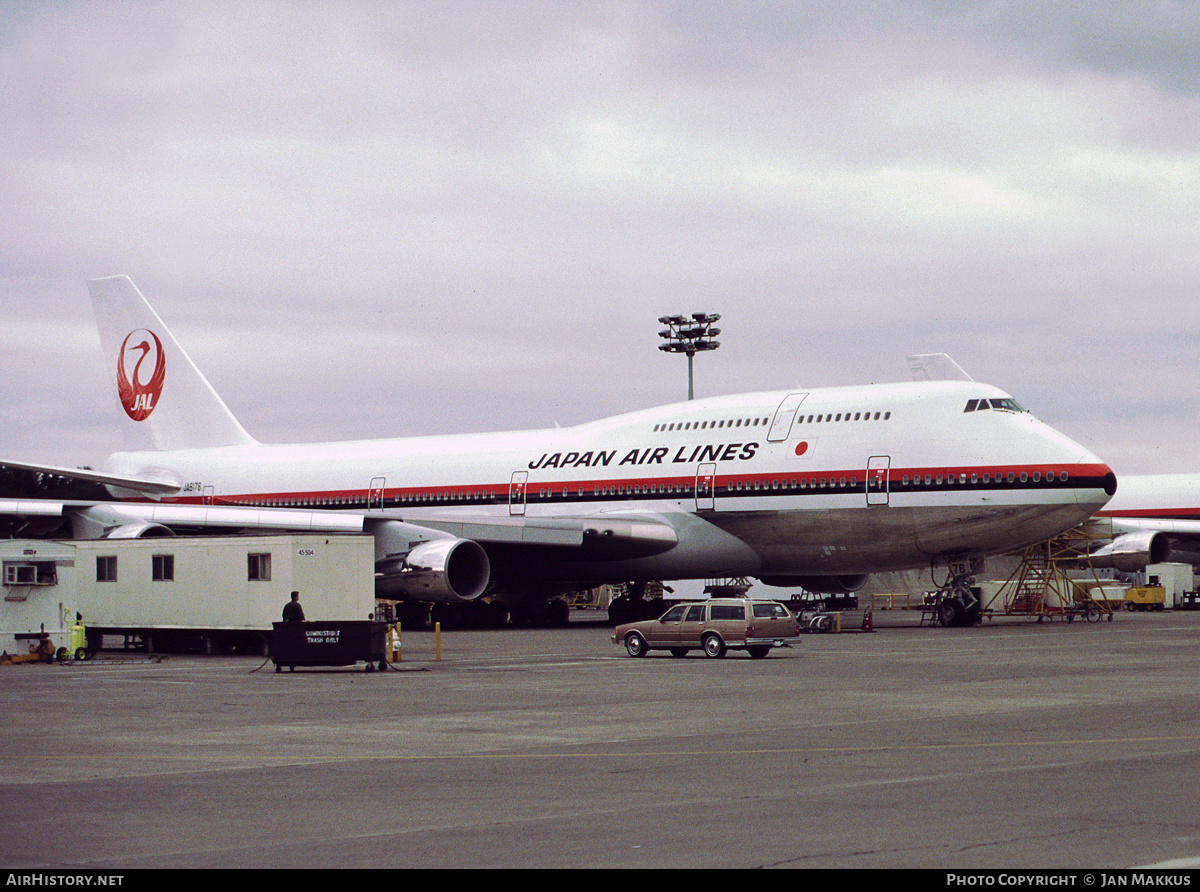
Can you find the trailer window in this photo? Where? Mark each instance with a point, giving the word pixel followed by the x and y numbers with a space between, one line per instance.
pixel 162 567
pixel 106 568
pixel 259 567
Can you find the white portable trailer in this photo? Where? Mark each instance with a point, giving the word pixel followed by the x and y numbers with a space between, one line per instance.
pixel 215 594
pixel 38 610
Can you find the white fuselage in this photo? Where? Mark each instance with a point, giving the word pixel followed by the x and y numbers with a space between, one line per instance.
pixel 832 481
pixel 1157 497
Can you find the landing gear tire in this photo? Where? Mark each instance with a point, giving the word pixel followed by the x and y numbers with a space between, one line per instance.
pixel 559 613
pixel 759 651
pixel 679 651
pixel 955 612
pixel 949 613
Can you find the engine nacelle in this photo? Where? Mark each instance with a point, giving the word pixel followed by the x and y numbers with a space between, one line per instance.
pixel 148 530
pixel 440 570
pixel 1133 551
pixel 834 585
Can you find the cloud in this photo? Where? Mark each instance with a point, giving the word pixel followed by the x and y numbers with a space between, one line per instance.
pixel 403 217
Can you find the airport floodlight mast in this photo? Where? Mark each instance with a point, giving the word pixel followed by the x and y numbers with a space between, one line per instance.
pixel 689 335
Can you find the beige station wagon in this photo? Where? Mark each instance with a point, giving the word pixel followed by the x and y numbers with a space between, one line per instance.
pixel 713 626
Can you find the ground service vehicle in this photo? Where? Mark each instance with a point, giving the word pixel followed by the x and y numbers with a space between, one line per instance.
pixel 713 626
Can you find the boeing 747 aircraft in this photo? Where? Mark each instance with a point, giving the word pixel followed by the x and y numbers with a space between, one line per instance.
pixel 815 488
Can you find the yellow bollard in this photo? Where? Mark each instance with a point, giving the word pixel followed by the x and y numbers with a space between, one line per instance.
pixel 437 637
pixel 396 637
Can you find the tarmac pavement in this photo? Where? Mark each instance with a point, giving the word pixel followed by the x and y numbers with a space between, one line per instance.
pixel 1012 745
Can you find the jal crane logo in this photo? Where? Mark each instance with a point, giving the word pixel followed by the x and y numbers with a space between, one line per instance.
pixel 141 369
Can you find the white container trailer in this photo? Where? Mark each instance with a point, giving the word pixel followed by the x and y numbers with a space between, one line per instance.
pixel 1175 578
pixel 219 593
pixel 39 603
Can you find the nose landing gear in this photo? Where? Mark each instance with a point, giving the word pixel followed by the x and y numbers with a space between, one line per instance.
pixel 957 601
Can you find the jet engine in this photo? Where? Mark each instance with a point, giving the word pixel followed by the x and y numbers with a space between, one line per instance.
pixel 1133 551
pixel 148 530
pixel 440 570
pixel 836 585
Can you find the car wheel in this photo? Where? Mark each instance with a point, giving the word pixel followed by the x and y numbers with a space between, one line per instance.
pixel 679 651
pixel 635 645
pixel 759 651
pixel 713 646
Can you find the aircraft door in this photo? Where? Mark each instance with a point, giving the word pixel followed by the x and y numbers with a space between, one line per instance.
pixel 375 494
pixel 877 479
pixel 781 426
pixel 207 495
pixel 516 492
pixel 706 476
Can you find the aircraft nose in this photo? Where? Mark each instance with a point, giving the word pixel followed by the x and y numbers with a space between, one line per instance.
pixel 1096 470
pixel 1110 482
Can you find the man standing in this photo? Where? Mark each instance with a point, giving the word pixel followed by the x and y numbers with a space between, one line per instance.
pixel 292 611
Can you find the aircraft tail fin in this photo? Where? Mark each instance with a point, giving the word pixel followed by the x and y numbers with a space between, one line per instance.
pixel 164 401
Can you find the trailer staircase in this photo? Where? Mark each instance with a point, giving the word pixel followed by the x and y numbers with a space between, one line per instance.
pixel 1041 586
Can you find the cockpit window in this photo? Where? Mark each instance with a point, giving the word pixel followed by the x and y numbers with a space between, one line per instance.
pixel 1008 404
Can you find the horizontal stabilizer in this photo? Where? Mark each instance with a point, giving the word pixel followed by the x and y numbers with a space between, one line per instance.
pixel 158 487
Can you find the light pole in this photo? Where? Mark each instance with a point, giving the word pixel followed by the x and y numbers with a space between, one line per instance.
pixel 690 335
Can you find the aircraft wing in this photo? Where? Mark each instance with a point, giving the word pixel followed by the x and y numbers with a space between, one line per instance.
pixel 155 487
pixel 621 533
pixel 634 532
pixel 31 508
pixel 1176 530
pixel 114 515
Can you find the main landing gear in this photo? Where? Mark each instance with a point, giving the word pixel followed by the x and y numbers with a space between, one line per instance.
pixel 957 602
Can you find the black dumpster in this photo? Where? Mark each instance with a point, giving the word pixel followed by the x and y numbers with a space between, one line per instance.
pixel 334 643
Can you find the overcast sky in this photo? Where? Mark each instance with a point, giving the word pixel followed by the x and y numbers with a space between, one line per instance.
pixel 369 219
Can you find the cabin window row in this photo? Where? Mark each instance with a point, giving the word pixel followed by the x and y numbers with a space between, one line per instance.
pixel 843 416
pixel 664 489
pixel 473 496
pixel 1010 477
pixel 801 483
pixel 710 425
